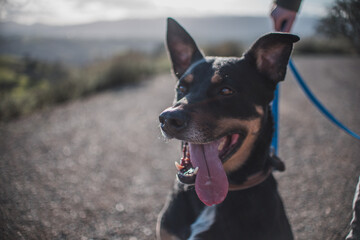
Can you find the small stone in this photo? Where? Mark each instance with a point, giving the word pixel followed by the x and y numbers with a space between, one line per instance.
pixel 119 207
pixel 147 231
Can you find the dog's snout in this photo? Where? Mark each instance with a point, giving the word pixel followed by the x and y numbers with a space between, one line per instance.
pixel 162 119
pixel 173 121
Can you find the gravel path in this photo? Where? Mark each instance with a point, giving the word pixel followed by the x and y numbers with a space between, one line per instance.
pixel 98 168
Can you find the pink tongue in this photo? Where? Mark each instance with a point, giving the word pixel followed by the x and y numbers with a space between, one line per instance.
pixel 211 184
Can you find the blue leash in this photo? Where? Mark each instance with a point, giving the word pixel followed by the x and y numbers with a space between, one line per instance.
pixel 275 114
pixel 313 99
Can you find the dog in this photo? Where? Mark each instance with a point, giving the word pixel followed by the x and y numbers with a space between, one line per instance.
pixel 222 114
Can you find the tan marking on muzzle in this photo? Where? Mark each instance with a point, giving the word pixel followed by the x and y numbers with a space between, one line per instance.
pixel 253 129
pixel 197 130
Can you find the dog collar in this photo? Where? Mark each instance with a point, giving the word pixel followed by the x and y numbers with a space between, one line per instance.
pixel 252 180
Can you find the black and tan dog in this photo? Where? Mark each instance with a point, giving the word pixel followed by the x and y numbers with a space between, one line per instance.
pixel 222 115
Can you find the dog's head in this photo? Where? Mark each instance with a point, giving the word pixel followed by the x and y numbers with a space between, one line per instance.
pixel 220 105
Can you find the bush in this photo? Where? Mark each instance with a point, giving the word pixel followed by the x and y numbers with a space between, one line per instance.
pixel 125 69
pixel 343 20
pixel 28 84
pixel 225 49
pixel 324 46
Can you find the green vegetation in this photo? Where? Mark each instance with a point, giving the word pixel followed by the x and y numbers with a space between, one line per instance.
pixel 228 48
pixel 307 46
pixel 343 21
pixel 28 84
pixel 324 46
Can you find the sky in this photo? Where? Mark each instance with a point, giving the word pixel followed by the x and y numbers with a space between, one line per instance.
pixel 65 12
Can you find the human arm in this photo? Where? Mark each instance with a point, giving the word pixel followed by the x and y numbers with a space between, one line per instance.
pixel 284 13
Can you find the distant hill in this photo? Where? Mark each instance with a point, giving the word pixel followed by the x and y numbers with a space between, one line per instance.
pixel 85 42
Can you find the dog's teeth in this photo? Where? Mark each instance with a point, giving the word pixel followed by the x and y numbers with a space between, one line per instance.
pixel 191 172
pixel 222 144
pixel 178 166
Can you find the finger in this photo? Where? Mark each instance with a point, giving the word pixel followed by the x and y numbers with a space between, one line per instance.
pixel 287 26
pixel 278 22
pixel 283 25
pixel 273 17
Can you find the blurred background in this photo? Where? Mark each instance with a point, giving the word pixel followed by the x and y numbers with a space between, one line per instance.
pixel 55 51
pixel 81 87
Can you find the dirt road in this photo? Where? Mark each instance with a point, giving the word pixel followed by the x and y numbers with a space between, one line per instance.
pixel 99 169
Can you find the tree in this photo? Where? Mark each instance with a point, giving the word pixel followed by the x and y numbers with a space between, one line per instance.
pixel 343 20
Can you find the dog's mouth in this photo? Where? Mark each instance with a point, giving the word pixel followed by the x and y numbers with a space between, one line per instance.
pixel 201 166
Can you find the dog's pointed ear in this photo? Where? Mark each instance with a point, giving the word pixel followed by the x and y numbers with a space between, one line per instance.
pixel 182 48
pixel 271 53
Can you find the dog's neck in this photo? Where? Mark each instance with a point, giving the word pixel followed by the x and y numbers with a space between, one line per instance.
pixel 252 180
pixel 259 160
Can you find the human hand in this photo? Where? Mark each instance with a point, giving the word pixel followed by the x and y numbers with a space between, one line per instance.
pixel 283 18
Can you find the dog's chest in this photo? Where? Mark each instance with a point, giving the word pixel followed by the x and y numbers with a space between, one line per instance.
pixel 204 222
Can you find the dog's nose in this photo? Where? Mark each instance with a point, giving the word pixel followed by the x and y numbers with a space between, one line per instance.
pixel 173 120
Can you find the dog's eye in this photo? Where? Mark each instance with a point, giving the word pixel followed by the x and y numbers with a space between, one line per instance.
pixel 226 91
pixel 182 89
